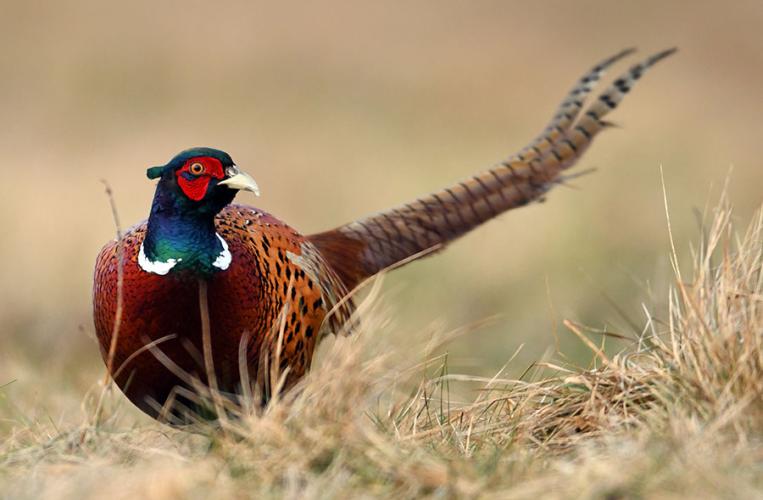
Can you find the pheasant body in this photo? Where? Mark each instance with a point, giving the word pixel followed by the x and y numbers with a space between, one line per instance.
pixel 263 287
pixel 271 291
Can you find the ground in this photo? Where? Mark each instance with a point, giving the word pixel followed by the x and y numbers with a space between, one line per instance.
pixel 677 414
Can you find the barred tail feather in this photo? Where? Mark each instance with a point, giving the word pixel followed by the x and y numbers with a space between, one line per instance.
pixel 568 109
pixel 364 247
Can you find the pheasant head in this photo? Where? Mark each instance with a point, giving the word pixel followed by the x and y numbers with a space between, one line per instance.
pixel 193 187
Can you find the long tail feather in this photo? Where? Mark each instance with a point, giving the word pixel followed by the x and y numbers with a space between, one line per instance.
pixel 568 109
pixel 364 247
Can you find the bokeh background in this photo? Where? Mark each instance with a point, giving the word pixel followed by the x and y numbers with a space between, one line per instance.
pixel 340 108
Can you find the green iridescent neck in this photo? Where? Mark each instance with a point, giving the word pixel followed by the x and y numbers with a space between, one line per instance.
pixel 178 239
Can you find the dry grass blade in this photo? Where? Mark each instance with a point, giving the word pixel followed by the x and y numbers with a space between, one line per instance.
pixel 206 340
pixel 120 303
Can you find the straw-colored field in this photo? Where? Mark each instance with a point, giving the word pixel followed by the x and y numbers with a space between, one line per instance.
pixel 343 108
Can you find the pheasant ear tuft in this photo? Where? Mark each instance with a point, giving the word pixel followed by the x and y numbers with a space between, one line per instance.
pixel 154 172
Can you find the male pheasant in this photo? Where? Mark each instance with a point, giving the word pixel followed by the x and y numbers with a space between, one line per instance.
pixel 271 292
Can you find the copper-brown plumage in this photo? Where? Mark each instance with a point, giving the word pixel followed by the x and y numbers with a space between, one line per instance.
pixel 280 285
pixel 263 295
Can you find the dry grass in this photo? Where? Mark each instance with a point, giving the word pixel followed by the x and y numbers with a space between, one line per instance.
pixel 677 414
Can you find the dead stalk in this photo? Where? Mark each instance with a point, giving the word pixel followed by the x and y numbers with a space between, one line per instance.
pixel 120 300
pixel 206 340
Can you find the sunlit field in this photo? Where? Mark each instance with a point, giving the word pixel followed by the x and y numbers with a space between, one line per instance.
pixel 604 344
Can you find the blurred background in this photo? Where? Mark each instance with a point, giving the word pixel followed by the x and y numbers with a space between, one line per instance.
pixel 341 108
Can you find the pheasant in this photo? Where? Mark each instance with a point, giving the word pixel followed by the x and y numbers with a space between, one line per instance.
pixel 207 293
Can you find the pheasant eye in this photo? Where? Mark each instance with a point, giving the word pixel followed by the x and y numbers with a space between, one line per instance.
pixel 196 168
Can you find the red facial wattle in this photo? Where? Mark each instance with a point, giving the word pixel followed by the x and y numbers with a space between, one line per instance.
pixel 194 182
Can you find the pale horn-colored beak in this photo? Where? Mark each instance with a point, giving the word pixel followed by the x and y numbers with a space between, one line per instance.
pixel 242 182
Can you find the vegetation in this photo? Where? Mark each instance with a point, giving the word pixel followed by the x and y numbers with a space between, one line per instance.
pixel 678 413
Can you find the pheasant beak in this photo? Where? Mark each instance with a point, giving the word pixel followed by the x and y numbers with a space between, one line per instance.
pixel 241 181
